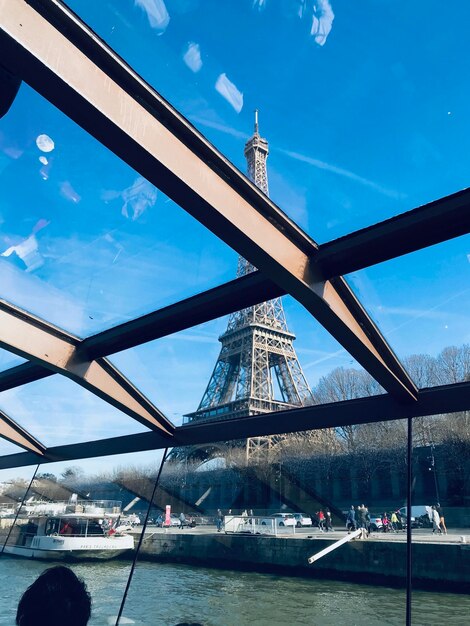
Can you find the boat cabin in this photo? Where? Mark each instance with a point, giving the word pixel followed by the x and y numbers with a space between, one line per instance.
pixel 65 526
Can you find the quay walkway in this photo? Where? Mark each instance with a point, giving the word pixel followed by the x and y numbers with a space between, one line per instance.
pixel 440 562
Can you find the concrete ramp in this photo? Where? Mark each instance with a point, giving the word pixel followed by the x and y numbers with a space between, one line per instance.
pixel 337 544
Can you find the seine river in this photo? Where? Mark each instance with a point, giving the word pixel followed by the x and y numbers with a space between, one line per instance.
pixel 165 594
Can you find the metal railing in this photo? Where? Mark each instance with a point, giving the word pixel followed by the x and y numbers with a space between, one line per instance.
pixel 259 525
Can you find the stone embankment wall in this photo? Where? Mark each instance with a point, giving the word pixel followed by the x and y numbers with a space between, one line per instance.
pixel 436 566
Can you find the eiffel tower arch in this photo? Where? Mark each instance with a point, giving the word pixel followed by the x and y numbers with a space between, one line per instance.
pixel 257 370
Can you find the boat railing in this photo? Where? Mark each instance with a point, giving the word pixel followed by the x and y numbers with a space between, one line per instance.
pixel 86 507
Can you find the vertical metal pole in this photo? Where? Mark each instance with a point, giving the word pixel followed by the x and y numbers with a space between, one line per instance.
pixel 436 484
pixel 20 507
pixel 409 561
pixel 141 538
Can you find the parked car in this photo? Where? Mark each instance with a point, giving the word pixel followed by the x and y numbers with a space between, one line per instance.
pixel 280 519
pixel 375 522
pixel 301 519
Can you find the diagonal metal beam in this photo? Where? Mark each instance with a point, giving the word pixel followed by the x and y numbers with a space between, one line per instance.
pixel 9 86
pixel 22 375
pixel 419 228
pixel 434 401
pixel 203 307
pixel 80 75
pixel 34 339
pixel 13 432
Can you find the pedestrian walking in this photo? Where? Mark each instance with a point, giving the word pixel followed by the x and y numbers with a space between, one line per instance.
pixel 328 522
pixel 435 520
pixel 182 519
pixel 442 521
pixel 367 518
pixel 321 520
pixel 394 522
pixel 385 523
pixel 351 519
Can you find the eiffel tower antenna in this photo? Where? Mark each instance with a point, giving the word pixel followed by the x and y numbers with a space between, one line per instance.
pixel 257 370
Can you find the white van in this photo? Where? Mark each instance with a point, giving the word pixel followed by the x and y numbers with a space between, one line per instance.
pixel 421 515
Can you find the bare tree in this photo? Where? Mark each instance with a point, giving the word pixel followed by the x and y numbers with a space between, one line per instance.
pixel 422 368
pixel 453 365
pixel 346 384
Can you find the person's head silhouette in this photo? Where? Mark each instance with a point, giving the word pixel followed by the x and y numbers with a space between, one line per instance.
pixel 56 598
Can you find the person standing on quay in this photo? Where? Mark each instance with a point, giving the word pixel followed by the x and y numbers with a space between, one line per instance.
pixel 361 511
pixel 219 518
pixel 182 520
pixel 442 521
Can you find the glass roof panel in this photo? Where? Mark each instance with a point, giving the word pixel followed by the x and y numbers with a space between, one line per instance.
pixel 8 359
pixel 57 411
pixel 358 130
pixel 421 302
pixel 174 371
pixel 85 242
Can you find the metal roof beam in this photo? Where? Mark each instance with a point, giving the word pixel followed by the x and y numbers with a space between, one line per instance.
pixel 13 432
pixel 22 375
pixel 203 307
pixel 34 339
pixel 433 401
pixel 433 223
pixel 9 85
pixel 232 296
pixel 69 65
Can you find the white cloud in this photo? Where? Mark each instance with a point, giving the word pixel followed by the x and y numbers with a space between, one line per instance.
pixel 45 143
pixel 48 410
pixel 322 165
pixel 230 92
pixel 41 298
pixel 322 21
pixel 43 160
pixel 411 312
pixel 223 128
pixel 157 13
pixel 260 4
pixel 192 57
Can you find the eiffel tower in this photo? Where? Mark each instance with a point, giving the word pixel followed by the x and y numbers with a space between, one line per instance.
pixel 257 370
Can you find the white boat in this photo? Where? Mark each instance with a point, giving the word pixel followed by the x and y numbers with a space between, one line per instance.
pixel 70 536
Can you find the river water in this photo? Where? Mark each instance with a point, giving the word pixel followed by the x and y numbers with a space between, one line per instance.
pixel 165 594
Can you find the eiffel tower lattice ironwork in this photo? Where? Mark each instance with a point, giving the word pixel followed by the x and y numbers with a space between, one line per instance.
pixel 257 370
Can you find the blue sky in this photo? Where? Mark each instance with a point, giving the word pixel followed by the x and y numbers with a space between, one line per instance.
pixel 365 107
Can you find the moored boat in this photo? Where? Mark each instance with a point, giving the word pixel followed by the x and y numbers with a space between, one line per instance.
pixel 69 535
